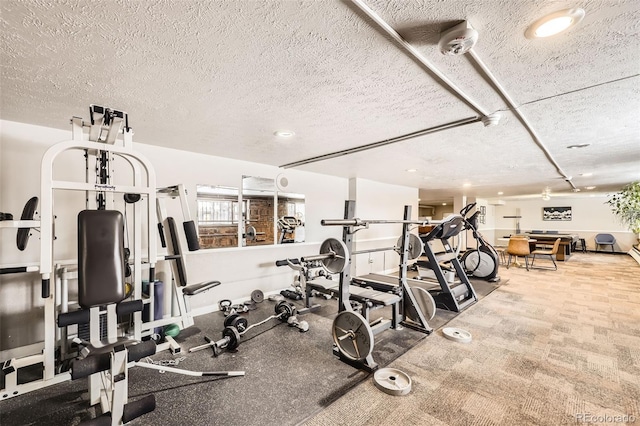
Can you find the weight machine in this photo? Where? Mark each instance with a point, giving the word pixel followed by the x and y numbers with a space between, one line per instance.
pixel 102 259
pixel 353 333
pixel 182 289
pixel 109 138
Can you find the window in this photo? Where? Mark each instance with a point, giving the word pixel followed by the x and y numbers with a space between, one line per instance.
pixel 217 212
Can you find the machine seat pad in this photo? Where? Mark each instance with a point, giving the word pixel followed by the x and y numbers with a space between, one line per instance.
pixel 194 289
pixel 377 297
pixel 323 284
pixel 104 346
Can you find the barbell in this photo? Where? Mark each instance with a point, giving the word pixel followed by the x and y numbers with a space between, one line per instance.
pixel 236 326
pixel 335 255
pixel 364 222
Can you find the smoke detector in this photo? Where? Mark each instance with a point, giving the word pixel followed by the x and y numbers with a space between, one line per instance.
pixel 458 40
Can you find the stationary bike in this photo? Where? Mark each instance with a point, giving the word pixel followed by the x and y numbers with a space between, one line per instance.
pixel 483 261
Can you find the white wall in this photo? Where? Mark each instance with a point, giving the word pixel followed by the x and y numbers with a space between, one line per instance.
pixel 590 216
pixel 379 201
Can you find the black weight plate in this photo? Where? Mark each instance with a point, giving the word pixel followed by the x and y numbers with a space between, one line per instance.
pixel 239 323
pixel 28 211
pixel 229 319
pixel 234 337
pixel 286 309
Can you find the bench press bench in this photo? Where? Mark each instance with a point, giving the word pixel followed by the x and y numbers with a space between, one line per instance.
pixel 368 298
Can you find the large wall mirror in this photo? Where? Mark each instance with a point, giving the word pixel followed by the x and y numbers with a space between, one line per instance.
pixel 290 218
pixel 258 198
pixel 217 216
pixel 255 215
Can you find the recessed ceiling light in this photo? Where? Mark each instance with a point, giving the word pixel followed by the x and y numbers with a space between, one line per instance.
pixel 412 170
pixel 579 145
pixel 586 174
pixel 444 204
pixel 500 193
pixel 466 185
pixel 554 23
pixel 284 133
pixel 589 187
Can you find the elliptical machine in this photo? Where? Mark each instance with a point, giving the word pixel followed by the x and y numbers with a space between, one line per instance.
pixel 483 261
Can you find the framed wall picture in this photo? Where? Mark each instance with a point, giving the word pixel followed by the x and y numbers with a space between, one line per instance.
pixel 556 213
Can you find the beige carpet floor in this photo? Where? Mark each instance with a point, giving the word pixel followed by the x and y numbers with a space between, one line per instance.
pixel 549 348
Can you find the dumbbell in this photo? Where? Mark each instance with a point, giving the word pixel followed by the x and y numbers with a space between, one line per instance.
pixel 286 312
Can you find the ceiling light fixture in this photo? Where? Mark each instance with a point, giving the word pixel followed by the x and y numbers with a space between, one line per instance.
pixel 466 185
pixel 586 174
pixel 500 193
pixel 444 204
pixel 412 170
pixel 554 23
pixel 589 187
pixel 284 133
pixel 578 145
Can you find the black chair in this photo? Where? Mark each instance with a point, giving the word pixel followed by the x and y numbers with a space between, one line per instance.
pixel 605 240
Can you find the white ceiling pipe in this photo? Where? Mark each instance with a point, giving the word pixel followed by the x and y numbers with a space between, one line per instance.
pixel 520 116
pixel 418 56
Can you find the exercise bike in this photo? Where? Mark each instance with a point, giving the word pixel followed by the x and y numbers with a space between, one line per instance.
pixel 483 261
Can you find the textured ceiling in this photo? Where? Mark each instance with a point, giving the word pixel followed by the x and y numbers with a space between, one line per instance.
pixel 220 77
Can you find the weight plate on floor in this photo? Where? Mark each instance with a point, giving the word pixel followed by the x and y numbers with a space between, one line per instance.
pixel 457 334
pixel 257 296
pixel 234 337
pixel 239 323
pixel 416 246
pixel 392 381
pixel 425 302
pixel 229 319
pixel 338 255
pixel 352 335
pixel 285 309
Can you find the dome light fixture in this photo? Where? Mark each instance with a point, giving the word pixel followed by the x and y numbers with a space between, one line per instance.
pixel 284 133
pixel 554 23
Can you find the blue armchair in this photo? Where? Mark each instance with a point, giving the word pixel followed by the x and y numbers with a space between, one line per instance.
pixel 605 240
